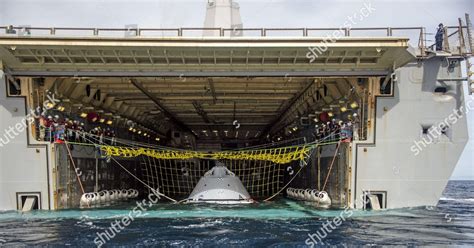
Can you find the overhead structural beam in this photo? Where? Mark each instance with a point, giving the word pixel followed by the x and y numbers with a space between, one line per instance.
pixel 165 110
pixel 200 111
pixel 213 90
pixel 210 73
pixel 288 108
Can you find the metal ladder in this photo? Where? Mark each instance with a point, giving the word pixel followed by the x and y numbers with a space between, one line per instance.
pixel 469 68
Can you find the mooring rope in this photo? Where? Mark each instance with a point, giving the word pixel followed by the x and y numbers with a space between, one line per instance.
pixel 330 167
pixel 301 168
pixel 75 170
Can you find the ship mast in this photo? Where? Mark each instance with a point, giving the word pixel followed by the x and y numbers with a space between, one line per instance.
pixel 223 14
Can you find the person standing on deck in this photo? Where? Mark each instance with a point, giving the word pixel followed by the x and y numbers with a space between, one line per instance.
pixel 439 37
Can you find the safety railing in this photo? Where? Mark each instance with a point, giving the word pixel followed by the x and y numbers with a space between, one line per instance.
pixel 457 41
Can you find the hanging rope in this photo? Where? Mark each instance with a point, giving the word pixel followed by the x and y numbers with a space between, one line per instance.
pixel 284 187
pixel 146 185
pixel 75 170
pixel 330 167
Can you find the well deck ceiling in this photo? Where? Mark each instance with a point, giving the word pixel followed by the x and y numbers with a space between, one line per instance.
pixel 202 84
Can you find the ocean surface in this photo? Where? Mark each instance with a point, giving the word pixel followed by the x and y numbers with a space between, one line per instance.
pixel 283 223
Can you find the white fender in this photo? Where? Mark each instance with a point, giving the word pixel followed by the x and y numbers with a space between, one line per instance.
pixel 314 195
pixel 102 197
pixel 307 195
pixel 111 195
pixel 300 194
pixel 293 193
pixel 135 193
pixel 288 191
pixel 108 197
pixel 130 193
pixel 117 194
pixel 85 200
pixel 95 198
pixel 124 194
pixel 324 199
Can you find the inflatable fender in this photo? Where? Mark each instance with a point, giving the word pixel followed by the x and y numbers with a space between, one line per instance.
pixel 324 199
pixel 85 200
pixel 300 195
pixel 135 193
pixel 102 197
pixel 314 195
pixel 130 193
pixel 307 195
pixel 124 194
pixel 288 191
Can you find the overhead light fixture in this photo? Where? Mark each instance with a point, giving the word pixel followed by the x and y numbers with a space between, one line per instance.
pixel 343 109
pixel 315 119
pixel 157 139
pixel 61 108
pixel 139 132
pixel 130 129
pixel 83 115
pixel 354 105
pixel 134 130
pixel 109 122
pixel 102 120
pixel 145 134
pixel 49 105
pixel 330 114
pixel 295 128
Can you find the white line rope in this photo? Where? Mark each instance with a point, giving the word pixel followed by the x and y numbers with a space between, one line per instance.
pixel 138 179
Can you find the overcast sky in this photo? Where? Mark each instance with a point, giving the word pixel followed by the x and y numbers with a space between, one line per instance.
pixel 255 13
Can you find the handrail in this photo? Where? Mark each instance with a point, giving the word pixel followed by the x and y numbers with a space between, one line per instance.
pixel 223 32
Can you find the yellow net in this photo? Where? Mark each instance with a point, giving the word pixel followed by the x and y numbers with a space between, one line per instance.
pixel 282 155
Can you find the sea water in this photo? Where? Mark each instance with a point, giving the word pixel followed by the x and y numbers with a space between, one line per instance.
pixel 283 223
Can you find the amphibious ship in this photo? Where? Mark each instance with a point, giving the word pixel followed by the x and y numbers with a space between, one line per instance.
pixel 167 100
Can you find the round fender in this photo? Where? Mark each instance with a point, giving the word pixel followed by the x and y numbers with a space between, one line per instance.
pixel 130 193
pixel 314 195
pixel 135 193
pixel 124 193
pixel 307 195
pixel 117 194
pixel 301 194
pixel 324 199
